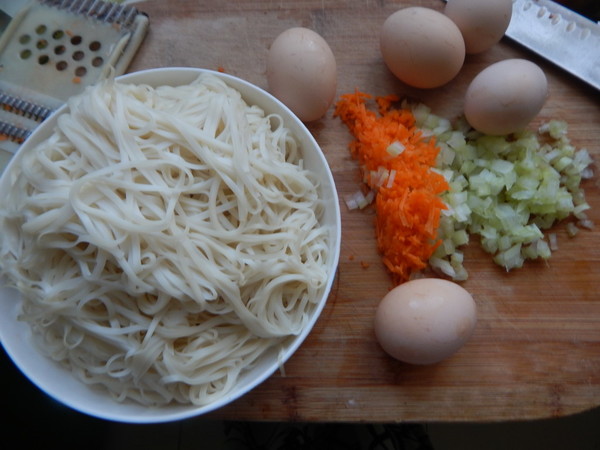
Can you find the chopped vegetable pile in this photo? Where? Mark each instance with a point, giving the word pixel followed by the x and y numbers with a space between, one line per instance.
pixel 434 185
pixel 397 162
pixel 506 190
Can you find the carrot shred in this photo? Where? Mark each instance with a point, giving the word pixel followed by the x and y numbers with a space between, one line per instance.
pixel 408 209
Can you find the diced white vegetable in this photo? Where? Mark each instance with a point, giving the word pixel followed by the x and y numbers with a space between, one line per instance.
pixel 553 239
pixel 395 148
pixel 572 229
pixel 506 190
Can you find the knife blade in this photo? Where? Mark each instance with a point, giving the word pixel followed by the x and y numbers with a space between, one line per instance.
pixel 564 37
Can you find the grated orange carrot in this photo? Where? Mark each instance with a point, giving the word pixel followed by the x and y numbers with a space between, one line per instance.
pixel 407 209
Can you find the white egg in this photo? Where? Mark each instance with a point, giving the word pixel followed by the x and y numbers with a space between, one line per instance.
pixel 481 22
pixel 504 97
pixel 302 72
pixel 422 47
pixel 425 321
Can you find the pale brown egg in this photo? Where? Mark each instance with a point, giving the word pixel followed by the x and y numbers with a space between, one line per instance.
pixel 422 47
pixel 302 72
pixel 481 22
pixel 425 321
pixel 506 96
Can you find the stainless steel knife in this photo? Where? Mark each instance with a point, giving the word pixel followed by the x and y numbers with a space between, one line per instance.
pixel 564 37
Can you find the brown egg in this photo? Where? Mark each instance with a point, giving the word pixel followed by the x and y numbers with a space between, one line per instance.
pixel 422 47
pixel 425 321
pixel 505 96
pixel 481 22
pixel 302 72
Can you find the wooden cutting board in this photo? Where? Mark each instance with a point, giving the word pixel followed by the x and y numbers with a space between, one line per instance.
pixel 536 349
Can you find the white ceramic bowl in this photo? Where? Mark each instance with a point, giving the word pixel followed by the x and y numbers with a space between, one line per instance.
pixel 59 383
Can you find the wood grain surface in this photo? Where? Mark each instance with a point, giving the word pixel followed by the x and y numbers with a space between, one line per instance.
pixel 536 349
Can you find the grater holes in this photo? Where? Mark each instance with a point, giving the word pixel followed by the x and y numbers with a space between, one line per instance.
pixel 60 48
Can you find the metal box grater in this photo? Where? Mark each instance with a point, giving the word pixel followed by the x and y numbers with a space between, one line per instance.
pixel 51 50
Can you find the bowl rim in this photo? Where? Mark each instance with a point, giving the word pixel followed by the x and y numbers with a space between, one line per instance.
pixel 9 309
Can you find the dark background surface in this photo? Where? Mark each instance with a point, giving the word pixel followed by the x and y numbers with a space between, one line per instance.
pixel 31 419
pixel 588 8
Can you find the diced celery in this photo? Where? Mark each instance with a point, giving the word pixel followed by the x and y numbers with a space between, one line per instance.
pixel 572 229
pixel 490 245
pixel 543 249
pixel 446 155
pixel 562 163
pixel 582 159
pixel 442 126
pixel 460 237
pixel 552 154
pixel 448 246
pixel 578 211
pixel 456 198
pixel 456 140
pixel 443 266
pixel 510 258
pixel 467 167
pixel 506 189
pixel 502 166
pixel 459 182
pixel 421 112
pixel 555 128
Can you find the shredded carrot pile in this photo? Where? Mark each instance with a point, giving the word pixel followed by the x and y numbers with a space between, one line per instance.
pixel 408 208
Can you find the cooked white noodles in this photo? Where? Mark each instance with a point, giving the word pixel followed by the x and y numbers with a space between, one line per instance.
pixel 163 239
